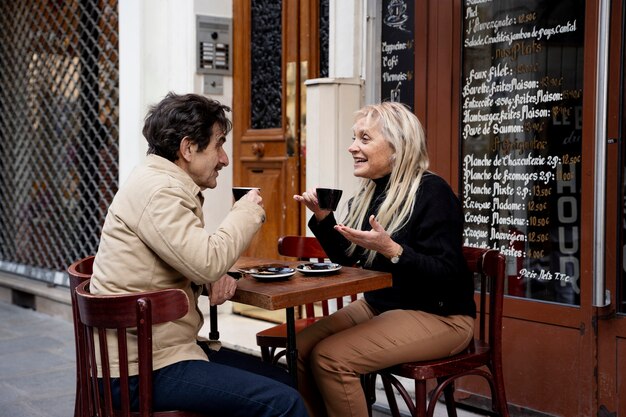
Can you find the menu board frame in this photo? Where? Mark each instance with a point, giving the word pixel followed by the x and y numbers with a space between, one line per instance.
pixel 397 52
pixel 521 140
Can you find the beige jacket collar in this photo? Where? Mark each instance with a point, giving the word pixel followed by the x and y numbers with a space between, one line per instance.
pixel 161 164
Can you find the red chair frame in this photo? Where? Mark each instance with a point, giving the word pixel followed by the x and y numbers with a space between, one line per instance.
pixel 485 351
pixel 79 272
pixel 101 314
pixel 148 309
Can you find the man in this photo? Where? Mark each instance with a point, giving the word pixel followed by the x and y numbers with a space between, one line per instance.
pixel 154 238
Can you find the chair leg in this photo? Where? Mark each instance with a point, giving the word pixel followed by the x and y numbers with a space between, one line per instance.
pixel 499 394
pixel 368 382
pixel 276 356
pixel 266 356
pixel 498 403
pixel 391 398
pixel 77 403
pixel 450 401
pixel 420 398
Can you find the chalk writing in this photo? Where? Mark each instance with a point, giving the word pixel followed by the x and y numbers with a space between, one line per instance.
pixel 397 52
pixel 521 124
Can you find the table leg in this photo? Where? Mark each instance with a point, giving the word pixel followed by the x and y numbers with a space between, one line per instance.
pixel 214 334
pixel 292 350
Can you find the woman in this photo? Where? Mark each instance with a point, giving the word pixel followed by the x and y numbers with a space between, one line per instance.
pixel 402 219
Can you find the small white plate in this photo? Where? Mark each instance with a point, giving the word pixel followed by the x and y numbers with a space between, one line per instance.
pixel 273 277
pixel 269 272
pixel 318 268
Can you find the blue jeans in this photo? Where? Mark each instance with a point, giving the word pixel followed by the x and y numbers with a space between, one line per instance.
pixel 218 389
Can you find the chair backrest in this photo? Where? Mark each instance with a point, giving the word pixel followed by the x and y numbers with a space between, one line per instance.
pixel 117 313
pixel 302 247
pixel 307 248
pixel 78 272
pixel 489 264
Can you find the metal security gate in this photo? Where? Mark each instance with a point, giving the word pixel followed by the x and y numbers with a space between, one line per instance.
pixel 59 127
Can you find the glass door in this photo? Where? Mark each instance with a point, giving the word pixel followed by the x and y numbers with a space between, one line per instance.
pixel 526 150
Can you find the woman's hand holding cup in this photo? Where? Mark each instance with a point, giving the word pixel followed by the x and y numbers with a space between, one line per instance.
pixel 310 200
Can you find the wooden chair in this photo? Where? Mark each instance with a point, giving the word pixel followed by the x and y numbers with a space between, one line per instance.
pixel 305 249
pixel 78 272
pixel 483 352
pixel 117 313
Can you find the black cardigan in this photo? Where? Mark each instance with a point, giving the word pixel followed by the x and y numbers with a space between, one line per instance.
pixel 432 275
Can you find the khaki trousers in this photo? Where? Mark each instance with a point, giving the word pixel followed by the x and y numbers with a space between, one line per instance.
pixel 336 350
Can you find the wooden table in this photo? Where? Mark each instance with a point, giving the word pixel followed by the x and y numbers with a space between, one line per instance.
pixel 302 289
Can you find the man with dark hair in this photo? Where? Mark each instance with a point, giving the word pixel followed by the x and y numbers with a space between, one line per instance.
pixel 154 238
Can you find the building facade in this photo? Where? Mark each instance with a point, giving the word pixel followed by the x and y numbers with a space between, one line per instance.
pixel 521 100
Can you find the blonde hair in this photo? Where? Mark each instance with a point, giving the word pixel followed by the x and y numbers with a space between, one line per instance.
pixel 401 128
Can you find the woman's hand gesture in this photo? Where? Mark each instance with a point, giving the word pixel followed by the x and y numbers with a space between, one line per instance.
pixel 376 239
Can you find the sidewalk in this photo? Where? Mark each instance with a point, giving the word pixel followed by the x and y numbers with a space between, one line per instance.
pixel 37 362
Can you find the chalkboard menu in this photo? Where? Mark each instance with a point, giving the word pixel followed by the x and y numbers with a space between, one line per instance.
pixel 521 121
pixel 398 52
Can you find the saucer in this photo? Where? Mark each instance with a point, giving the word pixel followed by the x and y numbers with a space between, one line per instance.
pixel 318 268
pixel 269 272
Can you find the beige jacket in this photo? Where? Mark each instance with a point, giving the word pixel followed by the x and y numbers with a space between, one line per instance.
pixel 154 238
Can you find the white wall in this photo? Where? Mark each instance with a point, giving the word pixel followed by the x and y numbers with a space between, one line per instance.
pixel 132 108
pixel 158 55
pixel 219 200
pixel 346 38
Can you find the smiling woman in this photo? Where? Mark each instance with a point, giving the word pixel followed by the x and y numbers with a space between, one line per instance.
pixel 372 154
pixel 405 220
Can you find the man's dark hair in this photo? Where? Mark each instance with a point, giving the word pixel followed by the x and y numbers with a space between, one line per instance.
pixel 177 116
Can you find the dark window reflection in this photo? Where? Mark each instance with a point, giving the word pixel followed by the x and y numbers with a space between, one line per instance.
pixel 265 61
pixel 324 29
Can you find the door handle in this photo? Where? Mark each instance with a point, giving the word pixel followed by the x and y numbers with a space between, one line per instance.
pixel 290 108
pixel 258 149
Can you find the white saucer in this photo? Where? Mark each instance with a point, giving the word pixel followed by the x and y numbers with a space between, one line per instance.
pixel 318 268
pixel 269 272
pixel 273 277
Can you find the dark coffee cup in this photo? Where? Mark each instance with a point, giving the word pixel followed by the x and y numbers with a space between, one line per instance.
pixel 328 198
pixel 239 192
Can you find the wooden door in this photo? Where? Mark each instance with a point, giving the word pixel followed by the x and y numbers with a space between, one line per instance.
pixel 275 43
pixel 611 335
pixel 276 46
